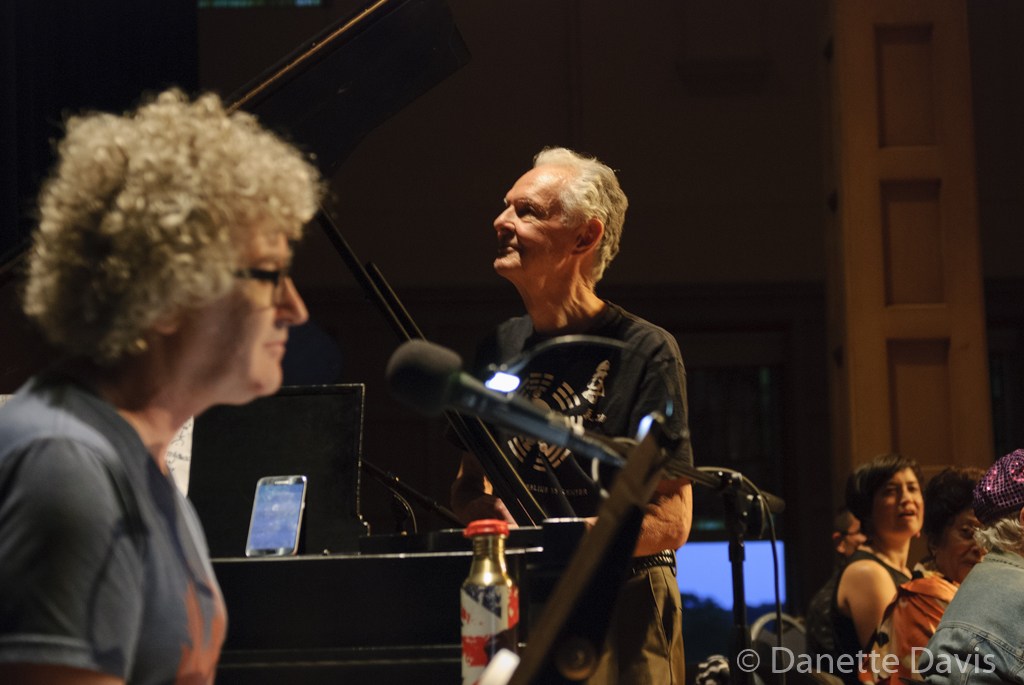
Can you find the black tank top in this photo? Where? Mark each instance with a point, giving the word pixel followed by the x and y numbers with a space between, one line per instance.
pixel 847 641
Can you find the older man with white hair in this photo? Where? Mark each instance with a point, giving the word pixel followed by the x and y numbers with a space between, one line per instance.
pixel 558 232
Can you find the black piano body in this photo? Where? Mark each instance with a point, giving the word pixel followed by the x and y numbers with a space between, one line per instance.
pixel 358 608
pixel 373 617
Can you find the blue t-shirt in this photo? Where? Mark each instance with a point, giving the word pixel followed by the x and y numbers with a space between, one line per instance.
pixel 90 577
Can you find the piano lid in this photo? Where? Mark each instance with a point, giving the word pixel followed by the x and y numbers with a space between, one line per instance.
pixel 342 83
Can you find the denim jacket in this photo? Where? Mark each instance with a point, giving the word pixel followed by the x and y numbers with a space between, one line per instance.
pixel 980 639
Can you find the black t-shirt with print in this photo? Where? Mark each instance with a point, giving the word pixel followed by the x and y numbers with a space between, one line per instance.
pixel 603 389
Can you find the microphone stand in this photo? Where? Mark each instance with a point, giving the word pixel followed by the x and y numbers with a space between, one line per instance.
pixel 391 482
pixel 737 509
pixel 740 497
pixel 570 631
pixel 402 510
pixel 739 500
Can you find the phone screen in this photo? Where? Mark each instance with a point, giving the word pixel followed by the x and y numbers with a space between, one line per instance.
pixel 275 517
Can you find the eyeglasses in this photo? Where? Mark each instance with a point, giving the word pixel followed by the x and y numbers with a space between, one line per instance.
pixel 967 532
pixel 278 277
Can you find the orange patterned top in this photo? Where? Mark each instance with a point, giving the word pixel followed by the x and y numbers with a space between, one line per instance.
pixel 909 622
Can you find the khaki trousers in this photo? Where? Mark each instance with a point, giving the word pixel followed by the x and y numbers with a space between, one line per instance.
pixel 645 637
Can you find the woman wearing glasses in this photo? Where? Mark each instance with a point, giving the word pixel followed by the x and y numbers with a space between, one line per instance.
pixel 910 621
pixel 160 271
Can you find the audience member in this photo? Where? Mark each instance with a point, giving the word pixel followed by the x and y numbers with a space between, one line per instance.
pixel 885 494
pixel 910 620
pixel 980 639
pixel 846 539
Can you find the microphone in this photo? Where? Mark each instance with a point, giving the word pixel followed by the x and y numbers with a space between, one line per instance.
pixel 429 379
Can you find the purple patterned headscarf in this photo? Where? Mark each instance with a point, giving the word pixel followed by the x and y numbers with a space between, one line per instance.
pixel 1001 490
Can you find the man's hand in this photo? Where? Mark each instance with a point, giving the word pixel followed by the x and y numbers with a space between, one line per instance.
pixel 486 507
pixel 473 495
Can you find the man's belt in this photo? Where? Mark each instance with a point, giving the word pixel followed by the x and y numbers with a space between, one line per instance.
pixel 641 564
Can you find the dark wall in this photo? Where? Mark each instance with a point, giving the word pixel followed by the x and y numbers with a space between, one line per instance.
pixel 59 58
pixel 997 71
pixel 714 126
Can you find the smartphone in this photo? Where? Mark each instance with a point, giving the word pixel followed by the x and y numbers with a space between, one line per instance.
pixel 276 516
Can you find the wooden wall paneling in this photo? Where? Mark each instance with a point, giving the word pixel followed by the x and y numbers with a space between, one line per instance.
pixel 920 399
pixel 906 304
pixel 911 236
pixel 904 76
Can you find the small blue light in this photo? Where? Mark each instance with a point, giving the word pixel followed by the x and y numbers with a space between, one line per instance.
pixel 644 427
pixel 503 382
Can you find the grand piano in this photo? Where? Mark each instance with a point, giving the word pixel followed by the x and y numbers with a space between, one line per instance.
pixel 357 608
pixel 350 607
pixel 380 608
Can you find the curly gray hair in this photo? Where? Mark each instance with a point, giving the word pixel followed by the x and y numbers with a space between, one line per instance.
pixel 593 192
pixel 1006 533
pixel 149 212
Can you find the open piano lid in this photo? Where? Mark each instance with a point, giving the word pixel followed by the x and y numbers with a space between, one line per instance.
pixel 335 88
pixel 326 95
pixel 342 83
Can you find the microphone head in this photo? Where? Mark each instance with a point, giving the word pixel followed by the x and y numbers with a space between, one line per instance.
pixel 420 375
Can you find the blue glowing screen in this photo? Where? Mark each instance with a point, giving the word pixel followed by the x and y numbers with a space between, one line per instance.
pixel 705 572
pixel 275 519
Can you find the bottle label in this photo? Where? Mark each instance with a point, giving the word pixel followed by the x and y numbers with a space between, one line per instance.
pixel 490 618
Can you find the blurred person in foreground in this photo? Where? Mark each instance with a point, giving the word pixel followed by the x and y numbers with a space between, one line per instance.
pixel 910 620
pixel 885 494
pixel 160 270
pixel 981 636
pixel 846 539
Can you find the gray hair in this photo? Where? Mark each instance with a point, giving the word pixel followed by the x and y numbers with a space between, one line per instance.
pixel 1006 533
pixel 593 192
pixel 147 212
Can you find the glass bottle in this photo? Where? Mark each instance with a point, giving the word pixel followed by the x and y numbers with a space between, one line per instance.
pixel 490 600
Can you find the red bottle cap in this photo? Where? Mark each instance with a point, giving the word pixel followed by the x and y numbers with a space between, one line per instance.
pixel 486 527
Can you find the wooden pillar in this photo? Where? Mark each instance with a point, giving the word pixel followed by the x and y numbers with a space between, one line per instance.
pixel 906 313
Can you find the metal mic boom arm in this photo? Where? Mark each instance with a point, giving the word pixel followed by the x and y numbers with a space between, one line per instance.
pixel 552 427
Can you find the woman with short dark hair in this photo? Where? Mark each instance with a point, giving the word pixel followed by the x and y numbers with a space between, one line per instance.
pixel 910 620
pixel 885 494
